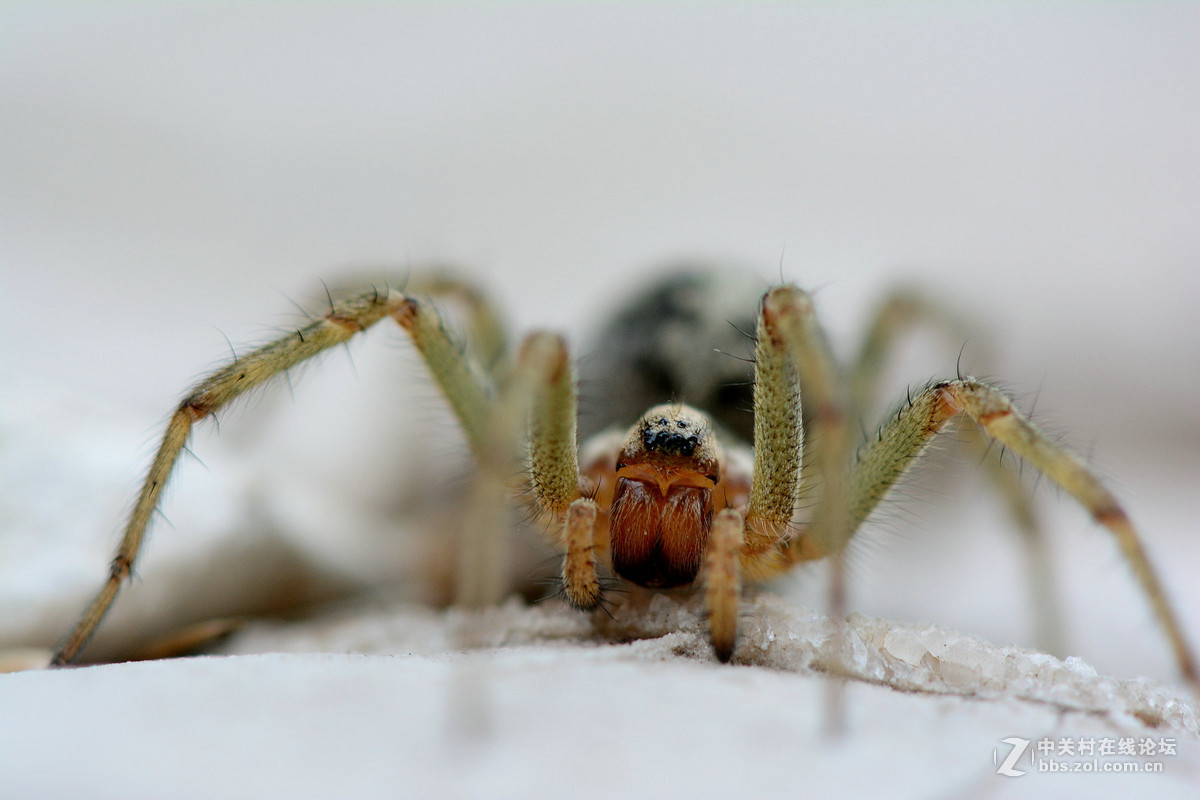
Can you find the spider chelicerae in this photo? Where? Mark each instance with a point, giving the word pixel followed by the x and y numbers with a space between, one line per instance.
pixel 675 497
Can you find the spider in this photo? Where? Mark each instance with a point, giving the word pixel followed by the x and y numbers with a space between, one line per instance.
pixel 676 498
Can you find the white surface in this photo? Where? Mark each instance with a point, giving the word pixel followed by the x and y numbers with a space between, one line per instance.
pixel 172 174
pixel 543 709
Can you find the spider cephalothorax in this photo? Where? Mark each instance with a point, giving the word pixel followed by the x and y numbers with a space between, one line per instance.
pixel 665 504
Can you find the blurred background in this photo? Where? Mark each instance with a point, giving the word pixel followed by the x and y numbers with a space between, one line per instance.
pixel 174 178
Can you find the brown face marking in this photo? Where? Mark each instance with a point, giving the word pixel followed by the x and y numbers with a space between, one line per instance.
pixel 662 509
pixel 659 540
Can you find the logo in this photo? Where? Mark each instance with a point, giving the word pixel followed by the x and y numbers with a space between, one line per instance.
pixel 1084 754
pixel 1019 746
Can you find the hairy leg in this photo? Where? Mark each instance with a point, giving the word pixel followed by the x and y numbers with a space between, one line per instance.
pixel 824 460
pixel 910 431
pixel 464 386
pixel 902 311
pixel 545 365
pixel 723 582
pixel 778 438
pixel 791 350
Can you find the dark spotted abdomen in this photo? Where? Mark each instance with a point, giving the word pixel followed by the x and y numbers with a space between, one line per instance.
pixel 662 347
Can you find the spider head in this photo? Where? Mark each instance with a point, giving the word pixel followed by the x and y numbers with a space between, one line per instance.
pixel 675 442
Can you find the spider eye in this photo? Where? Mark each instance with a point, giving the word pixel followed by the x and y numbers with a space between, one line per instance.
pixel 670 443
pixel 680 424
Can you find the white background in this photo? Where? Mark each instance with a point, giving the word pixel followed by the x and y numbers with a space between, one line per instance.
pixel 171 176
